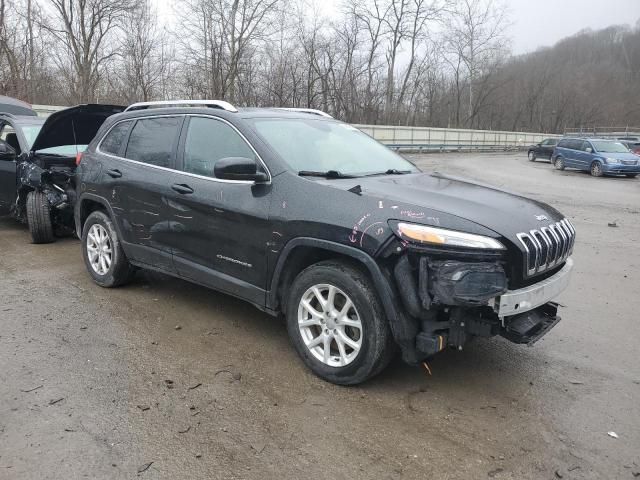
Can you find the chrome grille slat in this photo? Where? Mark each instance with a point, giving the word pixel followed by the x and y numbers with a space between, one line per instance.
pixel 548 246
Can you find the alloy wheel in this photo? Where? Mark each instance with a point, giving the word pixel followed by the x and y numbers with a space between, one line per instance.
pixel 99 249
pixel 330 325
pixel 596 169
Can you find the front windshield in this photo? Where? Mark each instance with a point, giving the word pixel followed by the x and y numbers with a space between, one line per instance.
pixel 604 146
pixel 319 145
pixel 30 133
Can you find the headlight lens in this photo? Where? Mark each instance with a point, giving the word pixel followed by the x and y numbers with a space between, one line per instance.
pixel 449 238
pixel 610 160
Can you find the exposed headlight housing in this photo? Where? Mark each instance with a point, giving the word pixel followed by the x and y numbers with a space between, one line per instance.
pixel 446 238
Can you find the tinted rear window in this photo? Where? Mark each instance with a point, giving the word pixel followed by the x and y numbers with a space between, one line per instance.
pixel 152 140
pixel 114 139
pixel 563 144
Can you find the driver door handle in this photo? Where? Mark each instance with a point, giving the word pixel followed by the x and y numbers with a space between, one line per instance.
pixel 115 173
pixel 182 188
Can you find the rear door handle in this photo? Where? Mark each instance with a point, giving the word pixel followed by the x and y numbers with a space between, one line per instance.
pixel 182 188
pixel 114 173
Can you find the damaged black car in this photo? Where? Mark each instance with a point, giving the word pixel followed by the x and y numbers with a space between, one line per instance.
pixel 307 217
pixel 38 162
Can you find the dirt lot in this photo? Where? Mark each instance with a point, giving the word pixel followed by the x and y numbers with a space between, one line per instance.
pixel 163 379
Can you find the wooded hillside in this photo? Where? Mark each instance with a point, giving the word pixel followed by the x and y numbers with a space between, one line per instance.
pixel 441 63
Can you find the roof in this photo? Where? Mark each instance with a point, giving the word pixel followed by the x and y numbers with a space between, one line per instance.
pixel 244 113
pixel 23 119
pixel 16 107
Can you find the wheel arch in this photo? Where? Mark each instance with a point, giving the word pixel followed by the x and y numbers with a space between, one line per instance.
pixel 303 252
pixel 87 204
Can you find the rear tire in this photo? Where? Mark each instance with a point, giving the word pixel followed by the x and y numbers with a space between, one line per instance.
pixel 596 169
pixel 559 163
pixel 102 252
pixel 357 338
pixel 39 218
pixel 532 156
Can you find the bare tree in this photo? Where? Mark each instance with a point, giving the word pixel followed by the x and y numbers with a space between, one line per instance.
pixel 475 35
pixel 145 56
pixel 85 30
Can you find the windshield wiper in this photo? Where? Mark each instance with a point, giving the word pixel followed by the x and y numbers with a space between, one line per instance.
pixel 391 171
pixel 327 174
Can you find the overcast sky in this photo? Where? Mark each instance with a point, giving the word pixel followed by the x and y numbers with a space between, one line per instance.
pixel 534 23
pixel 539 23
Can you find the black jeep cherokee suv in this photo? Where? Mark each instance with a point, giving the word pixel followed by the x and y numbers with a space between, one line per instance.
pixel 306 216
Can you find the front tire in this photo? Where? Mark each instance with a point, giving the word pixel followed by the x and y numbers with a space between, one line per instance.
pixel 596 169
pixel 559 163
pixel 102 252
pixel 532 156
pixel 39 218
pixel 337 324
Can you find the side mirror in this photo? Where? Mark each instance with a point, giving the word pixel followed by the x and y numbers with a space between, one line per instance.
pixel 239 168
pixel 6 151
pixel 589 150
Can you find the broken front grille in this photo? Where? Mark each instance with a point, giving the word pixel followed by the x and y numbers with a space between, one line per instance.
pixel 547 247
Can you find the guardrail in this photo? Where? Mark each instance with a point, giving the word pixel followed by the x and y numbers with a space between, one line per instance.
pixel 447 139
pixel 425 139
pixel 604 132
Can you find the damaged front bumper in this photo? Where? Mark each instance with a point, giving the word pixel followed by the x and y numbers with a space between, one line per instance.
pixel 449 302
pixel 525 299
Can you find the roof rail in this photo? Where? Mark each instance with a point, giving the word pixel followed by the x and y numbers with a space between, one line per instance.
pixel 180 103
pixel 312 111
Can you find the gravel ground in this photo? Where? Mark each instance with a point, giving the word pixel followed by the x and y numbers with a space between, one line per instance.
pixel 164 379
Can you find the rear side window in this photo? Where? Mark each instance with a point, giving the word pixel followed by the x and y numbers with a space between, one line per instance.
pixel 152 140
pixel 574 144
pixel 112 142
pixel 563 144
pixel 209 140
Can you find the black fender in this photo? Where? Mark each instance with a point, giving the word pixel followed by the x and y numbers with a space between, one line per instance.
pixel 380 281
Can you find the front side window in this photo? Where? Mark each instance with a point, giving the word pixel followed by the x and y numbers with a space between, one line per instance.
pixel 208 141
pixel 152 140
pixel 323 145
pixel 113 141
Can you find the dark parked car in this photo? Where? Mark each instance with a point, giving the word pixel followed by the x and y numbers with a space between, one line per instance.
pixel 302 215
pixel 598 156
pixel 542 150
pixel 37 165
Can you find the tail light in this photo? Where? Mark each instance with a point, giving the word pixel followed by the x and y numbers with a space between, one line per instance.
pixel 78 158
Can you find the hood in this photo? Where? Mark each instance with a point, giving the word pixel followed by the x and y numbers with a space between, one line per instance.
pixel 16 107
pixel 73 126
pixel 620 156
pixel 439 197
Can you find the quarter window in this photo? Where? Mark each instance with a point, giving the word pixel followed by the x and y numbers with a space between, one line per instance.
pixel 208 141
pixel 152 140
pixel 113 140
